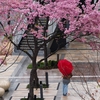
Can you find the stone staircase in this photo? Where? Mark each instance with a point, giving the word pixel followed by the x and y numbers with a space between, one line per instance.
pixel 27 42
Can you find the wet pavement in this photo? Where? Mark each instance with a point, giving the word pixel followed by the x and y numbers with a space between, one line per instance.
pixel 86 74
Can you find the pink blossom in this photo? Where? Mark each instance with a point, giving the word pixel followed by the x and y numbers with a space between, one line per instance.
pixel 80 24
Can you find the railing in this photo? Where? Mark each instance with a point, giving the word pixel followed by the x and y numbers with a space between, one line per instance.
pixel 52 27
pixel 17 38
pixel 18 35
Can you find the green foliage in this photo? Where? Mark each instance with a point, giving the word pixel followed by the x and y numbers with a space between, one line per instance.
pixel 44 86
pixel 23 99
pixel 41 65
pixel 27 99
pixel 29 66
pixel 51 65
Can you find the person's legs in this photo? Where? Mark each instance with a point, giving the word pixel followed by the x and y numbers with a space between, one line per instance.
pixel 65 89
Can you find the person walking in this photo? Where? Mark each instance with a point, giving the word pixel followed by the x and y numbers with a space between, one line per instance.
pixel 66 68
pixel 66 81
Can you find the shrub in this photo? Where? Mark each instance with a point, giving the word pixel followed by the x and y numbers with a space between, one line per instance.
pixel 41 65
pixel 44 86
pixel 51 65
pixel 27 99
pixel 29 66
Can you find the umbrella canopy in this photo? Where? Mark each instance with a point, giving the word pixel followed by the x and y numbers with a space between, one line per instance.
pixel 65 67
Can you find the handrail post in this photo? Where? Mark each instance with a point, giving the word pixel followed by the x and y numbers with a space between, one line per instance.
pixel 57 57
pixel 41 90
pixel 46 75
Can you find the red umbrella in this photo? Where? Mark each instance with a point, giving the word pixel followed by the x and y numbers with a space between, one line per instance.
pixel 65 67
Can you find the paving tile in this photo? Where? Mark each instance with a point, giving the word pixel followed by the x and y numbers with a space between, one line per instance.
pixel 51 86
pixel 70 98
pixel 48 93
pixel 9 68
pixel 25 93
pixel 45 92
pixel 39 58
pixel 18 98
pixel 78 45
pixel 79 90
pixel 52 72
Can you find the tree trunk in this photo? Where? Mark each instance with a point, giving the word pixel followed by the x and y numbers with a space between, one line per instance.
pixel 33 79
pixel 31 85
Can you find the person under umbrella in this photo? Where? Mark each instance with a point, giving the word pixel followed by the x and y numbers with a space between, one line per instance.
pixel 66 81
pixel 65 67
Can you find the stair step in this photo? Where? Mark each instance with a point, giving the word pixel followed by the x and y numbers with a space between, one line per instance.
pixel 30 41
pixel 27 44
pixel 27 48
pixel 43 21
pixel 29 36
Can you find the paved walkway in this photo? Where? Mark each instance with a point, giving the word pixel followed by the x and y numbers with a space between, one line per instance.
pixel 81 91
pixel 8 70
pixel 78 88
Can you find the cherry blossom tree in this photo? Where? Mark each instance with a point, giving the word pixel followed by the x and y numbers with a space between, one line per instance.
pixel 82 24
